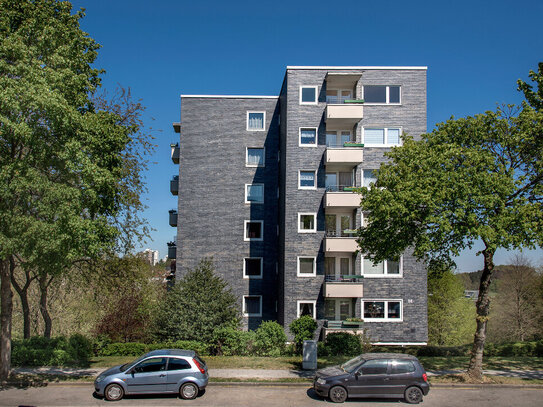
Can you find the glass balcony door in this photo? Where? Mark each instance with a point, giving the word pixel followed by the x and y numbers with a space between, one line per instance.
pixel 338 309
pixel 336 268
pixel 337 138
pixel 338 96
pixel 337 181
pixel 337 224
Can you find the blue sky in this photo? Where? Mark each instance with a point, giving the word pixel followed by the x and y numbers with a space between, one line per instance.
pixel 475 51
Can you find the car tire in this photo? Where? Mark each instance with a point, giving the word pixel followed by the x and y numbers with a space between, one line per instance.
pixel 338 394
pixel 188 391
pixel 113 392
pixel 413 395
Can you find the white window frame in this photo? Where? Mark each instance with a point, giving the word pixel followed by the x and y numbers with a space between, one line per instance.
pixel 314 230
pixel 387 95
pixel 316 87
pixel 253 239
pixel 314 273
pixel 386 129
pixel 245 314
pixel 300 136
pixel 312 302
pixel 385 270
pixel 247 276
pixel 300 180
pixel 386 318
pixel 263 122
pixel 246 194
pixel 247 157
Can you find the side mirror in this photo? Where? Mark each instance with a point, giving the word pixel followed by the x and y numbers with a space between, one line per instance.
pixel 131 371
pixel 357 373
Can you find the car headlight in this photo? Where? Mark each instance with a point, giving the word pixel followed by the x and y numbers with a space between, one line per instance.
pixel 321 381
pixel 99 379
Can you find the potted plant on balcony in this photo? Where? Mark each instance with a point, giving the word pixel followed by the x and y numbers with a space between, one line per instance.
pixel 353 322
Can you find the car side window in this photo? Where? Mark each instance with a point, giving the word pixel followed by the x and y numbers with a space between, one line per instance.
pixel 378 366
pixel 401 366
pixel 178 364
pixel 151 365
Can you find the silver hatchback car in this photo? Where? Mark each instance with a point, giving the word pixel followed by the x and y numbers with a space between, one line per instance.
pixel 159 371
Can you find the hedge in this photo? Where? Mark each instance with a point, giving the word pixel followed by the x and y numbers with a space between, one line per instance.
pixel 59 351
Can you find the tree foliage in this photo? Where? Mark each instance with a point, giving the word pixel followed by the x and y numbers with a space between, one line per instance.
pixel 200 303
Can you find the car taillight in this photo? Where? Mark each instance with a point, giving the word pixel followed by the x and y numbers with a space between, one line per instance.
pixel 199 366
pixel 425 377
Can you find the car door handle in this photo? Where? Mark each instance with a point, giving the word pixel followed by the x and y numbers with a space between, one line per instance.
pixel 161 375
pixel 386 379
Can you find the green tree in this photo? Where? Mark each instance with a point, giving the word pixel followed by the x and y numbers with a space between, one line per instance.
pixel 63 183
pixel 303 329
pixel 200 303
pixel 472 179
pixel 450 315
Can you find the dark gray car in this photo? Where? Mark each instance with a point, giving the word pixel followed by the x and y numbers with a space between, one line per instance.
pixel 159 371
pixel 381 375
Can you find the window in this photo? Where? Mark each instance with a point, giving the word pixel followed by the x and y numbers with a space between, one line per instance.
pixel 382 137
pixel 335 96
pixel 306 223
pixel 335 268
pixel 252 267
pixel 178 364
pixel 306 307
pixel 369 177
pixel 307 179
pixel 255 157
pixel 378 366
pixel 252 305
pixel 308 95
pixel 382 310
pixel 401 366
pixel 254 230
pixel 256 121
pixel 382 94
pixel 254 193
pixel 151 365
pixel 387 268
pixel 308 136
pixel 307 267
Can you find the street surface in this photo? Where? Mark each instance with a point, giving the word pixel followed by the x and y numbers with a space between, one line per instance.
pixel 268 396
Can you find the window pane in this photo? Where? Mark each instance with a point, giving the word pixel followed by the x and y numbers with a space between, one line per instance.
pixel 401 366
pixel 309 95
pixel 306 265
pixel 369 268
pixel 345 225
pixel 331 96
pixel 330 225
pixel 330 309
pixel 393 267
pixel 370 177
pixel 394 94
pixel 308 136
pixel 306 308
pixel 345 180
pixel 254 230
pixel 151 365
pixel 331 139
pixel 394 310
pixel 307 222
pixel 374 136
pixel 252 305
pixel 344 264
pixel 375 94
pixel 374 367
pixel 255 156
pixel 330 266
pixel 374 309
pixel 345 137
pixel 393 136
pixel 256 121
pixel 178 364
pixel 253 267
pixel 344 309
pixel 330 182
pixel 255 193
pixel 307 178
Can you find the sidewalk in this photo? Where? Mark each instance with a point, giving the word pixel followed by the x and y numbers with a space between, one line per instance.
pixel 269 374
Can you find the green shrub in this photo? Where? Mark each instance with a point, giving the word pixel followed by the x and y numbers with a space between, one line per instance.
pixel 80 348
pixel 322 349
pixel 270 339
pixel 303 329
pixel 439 351
pixel 343 344
pixel 58 351
pixel 233 342
pixel 514 349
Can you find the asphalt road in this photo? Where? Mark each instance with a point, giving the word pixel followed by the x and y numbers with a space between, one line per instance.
pixel 264 396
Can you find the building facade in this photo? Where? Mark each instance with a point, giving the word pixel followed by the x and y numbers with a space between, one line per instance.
pixel 265 189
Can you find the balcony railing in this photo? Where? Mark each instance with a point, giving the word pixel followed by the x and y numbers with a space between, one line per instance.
pixel 175 153
pixel 344 324
pixel 174 185
pixel 172 250
pixel 341 233
pixel 173 217
pixel 347 278
pixel 337 100
pixel 340 188
pixel 345 144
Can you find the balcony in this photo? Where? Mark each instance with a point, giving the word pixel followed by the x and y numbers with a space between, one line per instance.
pixel 172 250
pixel 347 286
pixel 174 185
pixel 175 153
pixel 341 196
pixel 350 154
pixel 173 217
pixel 340 242
pixel 344 114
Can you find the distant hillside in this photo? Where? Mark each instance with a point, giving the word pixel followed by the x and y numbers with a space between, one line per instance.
pixel 471 280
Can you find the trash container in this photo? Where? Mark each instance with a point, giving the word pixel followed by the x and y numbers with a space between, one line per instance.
pixel 309 359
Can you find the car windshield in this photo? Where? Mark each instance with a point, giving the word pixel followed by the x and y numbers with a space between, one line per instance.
pixel 352 364
pixel 127 365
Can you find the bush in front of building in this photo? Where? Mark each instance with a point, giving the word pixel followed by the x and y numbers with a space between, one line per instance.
pixel 343 344
pixel 270 339
pixel 231 341
pixel 303 329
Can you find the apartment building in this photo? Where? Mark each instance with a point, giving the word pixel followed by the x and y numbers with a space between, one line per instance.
pixel 265 188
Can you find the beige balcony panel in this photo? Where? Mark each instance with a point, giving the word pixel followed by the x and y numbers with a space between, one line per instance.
pixel 341 244
pixel 346 114
pixel 343 290
pixel 350 156
pixel 342 199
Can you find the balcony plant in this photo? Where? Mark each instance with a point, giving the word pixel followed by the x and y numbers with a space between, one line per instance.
pixel 356 322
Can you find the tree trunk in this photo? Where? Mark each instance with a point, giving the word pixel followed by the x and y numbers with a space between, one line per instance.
pixel 475 369
pixel 6 301
pixel 22 291
pixel 44 285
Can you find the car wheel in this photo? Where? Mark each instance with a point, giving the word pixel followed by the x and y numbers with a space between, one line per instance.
pixel 113 392
pixel 413 395
pixel 188 391
pixel 338 394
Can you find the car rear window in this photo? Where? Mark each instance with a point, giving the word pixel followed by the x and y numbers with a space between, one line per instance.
pixel 401 366
pixel 178 364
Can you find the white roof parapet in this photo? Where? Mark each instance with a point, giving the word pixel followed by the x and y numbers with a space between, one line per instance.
pixel 231 96
pixel 360 67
